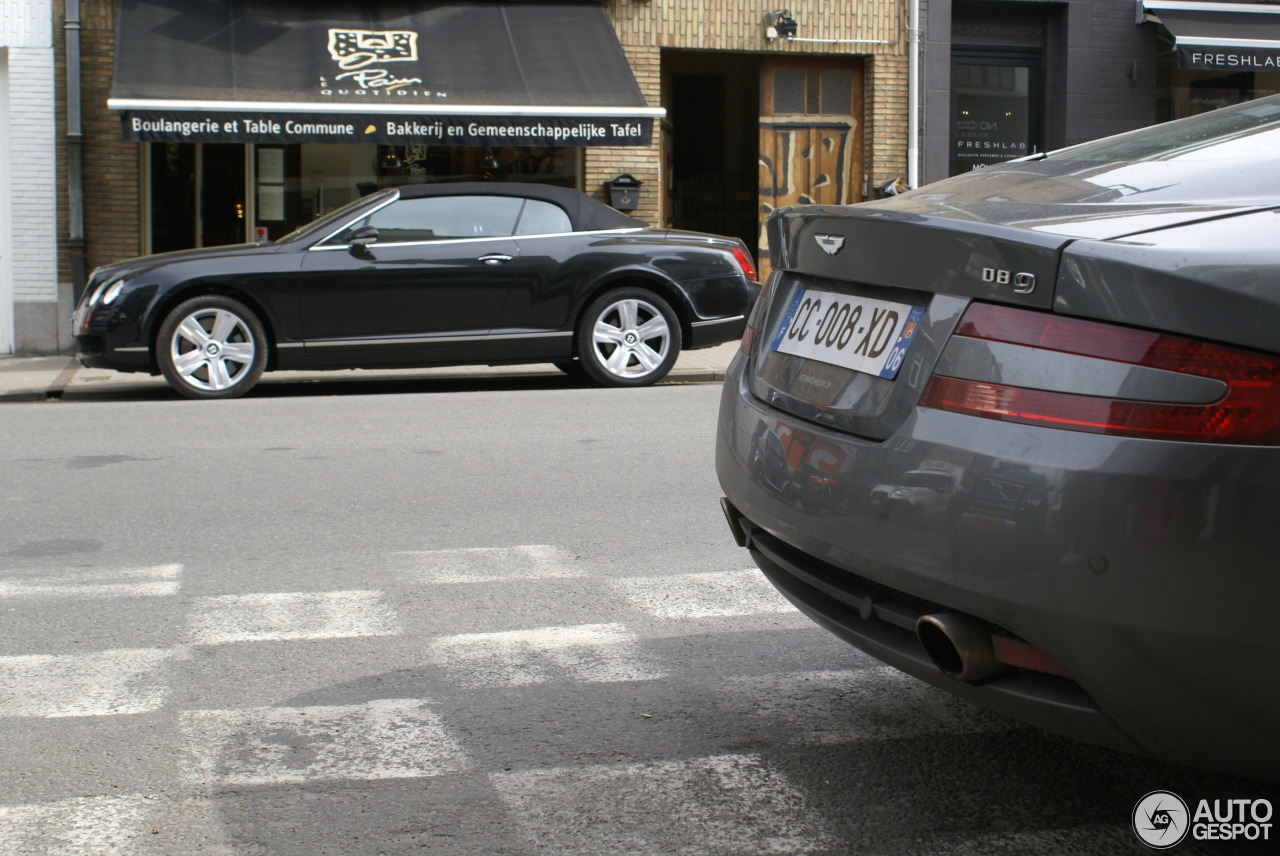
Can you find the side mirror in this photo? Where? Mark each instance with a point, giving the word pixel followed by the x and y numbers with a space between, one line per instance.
pixel 364 236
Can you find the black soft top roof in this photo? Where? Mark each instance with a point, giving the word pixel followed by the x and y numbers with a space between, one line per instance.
pixel 584 212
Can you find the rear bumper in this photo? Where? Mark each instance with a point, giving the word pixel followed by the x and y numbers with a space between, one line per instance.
pixel 882 623
pixel 1142 567
pixel 706 334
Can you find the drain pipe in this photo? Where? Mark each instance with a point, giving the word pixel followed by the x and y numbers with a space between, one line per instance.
pixel 913 95
pixel 75 154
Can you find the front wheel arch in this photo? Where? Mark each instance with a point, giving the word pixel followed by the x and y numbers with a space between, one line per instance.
pixel 211 347
pixel 165 305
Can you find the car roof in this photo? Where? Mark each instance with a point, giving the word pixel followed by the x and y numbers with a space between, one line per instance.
pixel 584 212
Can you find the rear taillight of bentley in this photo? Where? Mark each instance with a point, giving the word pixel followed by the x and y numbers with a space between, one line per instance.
pixel 1240 405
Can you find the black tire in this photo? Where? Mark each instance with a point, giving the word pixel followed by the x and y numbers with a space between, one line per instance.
pixel 211 347
pixel 572 368
pixel 628 337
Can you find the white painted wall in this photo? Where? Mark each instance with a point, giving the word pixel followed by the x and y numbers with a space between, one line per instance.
pixel 6 207
pixel 28 178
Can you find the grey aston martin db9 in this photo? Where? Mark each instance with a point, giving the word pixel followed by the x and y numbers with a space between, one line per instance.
pixel 1017 433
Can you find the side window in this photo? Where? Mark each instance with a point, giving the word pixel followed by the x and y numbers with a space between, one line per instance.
pixel 543 218
pixel 441 218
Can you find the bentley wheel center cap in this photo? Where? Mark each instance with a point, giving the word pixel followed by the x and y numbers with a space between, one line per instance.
pixel 631 338
pixel 212 349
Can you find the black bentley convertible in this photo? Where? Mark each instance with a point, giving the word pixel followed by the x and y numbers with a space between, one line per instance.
pixel 424 275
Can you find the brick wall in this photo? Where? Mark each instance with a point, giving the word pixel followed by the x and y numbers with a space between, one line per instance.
pixel 738 25
pixel 1125 55
pixel 603 163
pixel 112 175
pixel 646 27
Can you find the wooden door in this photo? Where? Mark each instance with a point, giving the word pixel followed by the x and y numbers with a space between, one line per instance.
pixel 810 136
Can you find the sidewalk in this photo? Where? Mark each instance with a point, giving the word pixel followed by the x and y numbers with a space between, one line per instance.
pixel 44 378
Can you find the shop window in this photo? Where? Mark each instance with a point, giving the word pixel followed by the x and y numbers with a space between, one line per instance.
pixel 996 108
pixel 1188 92
pixel 209 194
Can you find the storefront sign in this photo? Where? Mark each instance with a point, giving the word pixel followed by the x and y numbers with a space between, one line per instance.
pixel 422 129
pixel 548 74
pixel 1229 59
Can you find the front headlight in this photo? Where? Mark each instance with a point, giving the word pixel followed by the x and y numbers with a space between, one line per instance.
pixel 113 291
pixel 96 296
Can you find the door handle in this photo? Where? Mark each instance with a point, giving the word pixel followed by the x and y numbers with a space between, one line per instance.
pixel 496 259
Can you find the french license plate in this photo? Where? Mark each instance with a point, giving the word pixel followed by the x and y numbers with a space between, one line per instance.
pixel 858 333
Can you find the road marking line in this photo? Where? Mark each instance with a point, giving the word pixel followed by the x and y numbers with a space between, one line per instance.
pixel 157 581
pixel 720 594
pixel 382 739
pixel 494 564
pixel 103 826
pixel 592 653
pixel 291 615
pixel 101 683
pixel 121 825
pixel 725 804
pixel 863 704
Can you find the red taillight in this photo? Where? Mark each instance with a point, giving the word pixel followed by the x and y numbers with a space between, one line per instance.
pixel 1249 412
pixel 748 343
pixel 743 258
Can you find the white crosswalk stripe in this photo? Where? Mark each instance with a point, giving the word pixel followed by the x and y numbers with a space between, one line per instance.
pixel 129 825
pixel 590 653
pixel 724 805
pixel 712 595
pixel 493 564
pixel 292 615
pixel 404 683
pixel 845 706
pixel 102 826
pixel 101 683
pixel 158 581
pixel 383 739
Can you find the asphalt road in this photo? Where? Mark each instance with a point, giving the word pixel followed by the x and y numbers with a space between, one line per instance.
pixel 499 617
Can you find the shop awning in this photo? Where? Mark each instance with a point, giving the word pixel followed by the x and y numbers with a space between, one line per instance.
pixel 283 71
pixel 1213 36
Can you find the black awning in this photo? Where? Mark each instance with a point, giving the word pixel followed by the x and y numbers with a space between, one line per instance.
pixel 283 71
pixel 1220 36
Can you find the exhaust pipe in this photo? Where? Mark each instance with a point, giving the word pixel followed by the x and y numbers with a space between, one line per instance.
pixel 960 646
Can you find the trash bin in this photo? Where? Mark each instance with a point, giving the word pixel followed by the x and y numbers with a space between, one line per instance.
pixel 624 192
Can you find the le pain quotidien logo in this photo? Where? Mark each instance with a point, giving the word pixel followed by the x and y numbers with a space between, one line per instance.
pixel 360 56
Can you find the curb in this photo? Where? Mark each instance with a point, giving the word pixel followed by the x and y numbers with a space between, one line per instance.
pixel 59 384
pixel 62 388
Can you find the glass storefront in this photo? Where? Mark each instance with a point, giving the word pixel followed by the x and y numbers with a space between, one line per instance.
pixel 1187 92
pixel 996 99
pixel 207 194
